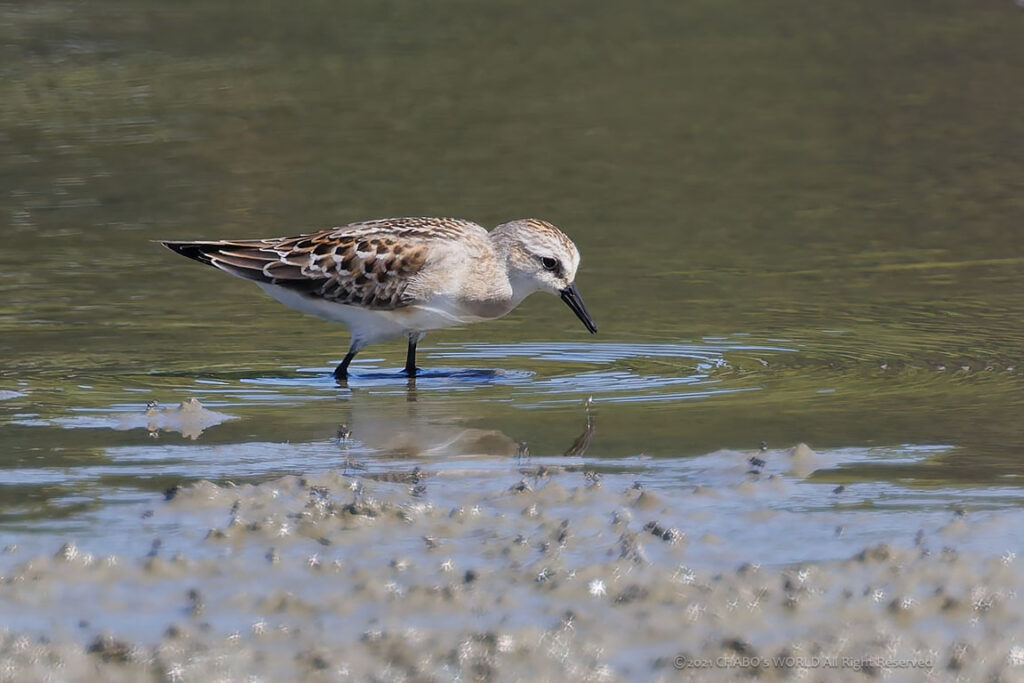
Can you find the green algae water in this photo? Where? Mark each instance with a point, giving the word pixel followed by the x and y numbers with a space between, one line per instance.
pixel 797 223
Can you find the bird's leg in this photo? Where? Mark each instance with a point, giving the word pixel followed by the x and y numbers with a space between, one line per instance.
pixel 410 357
pixel 341 372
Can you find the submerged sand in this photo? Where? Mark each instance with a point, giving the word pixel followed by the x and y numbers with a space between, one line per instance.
pixel 546 572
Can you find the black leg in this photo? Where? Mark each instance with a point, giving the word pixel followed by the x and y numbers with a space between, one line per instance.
pixel 410 358
pixel 341 372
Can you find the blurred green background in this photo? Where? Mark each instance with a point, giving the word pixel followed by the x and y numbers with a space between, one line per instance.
pixel 843 182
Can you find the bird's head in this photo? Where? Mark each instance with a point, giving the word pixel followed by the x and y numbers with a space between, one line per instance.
pixel 540 257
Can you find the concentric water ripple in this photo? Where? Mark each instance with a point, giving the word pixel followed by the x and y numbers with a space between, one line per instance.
pixel 559 372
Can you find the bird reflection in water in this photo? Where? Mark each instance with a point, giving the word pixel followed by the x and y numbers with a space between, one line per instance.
pixel 425 438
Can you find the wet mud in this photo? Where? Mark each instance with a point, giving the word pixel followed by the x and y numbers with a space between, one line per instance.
pixel 545 571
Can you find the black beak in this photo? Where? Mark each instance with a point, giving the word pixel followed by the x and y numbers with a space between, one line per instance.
pixel 571 296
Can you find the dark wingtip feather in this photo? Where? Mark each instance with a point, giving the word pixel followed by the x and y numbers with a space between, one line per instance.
pixel 189 249
pixel 192 250
pixel 214 254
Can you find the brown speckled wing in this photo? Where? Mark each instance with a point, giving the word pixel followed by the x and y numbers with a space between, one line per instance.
pixel 363 264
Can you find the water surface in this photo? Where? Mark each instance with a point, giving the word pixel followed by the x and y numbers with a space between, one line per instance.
pixel 798 224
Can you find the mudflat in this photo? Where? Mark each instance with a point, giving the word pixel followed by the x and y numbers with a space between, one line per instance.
pixel 545 569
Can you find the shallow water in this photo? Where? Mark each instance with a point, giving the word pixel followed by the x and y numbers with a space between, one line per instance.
pixel 798 224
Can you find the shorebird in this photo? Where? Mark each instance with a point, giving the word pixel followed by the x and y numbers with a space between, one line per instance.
pixel 398 277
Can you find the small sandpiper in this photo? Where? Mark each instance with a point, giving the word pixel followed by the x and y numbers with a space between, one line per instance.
pixel 404 276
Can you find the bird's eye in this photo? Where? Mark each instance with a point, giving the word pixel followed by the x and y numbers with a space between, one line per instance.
pixel 549 263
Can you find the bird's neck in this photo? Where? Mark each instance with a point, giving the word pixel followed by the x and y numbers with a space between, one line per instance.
pixel 509 253
pixel 497 286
